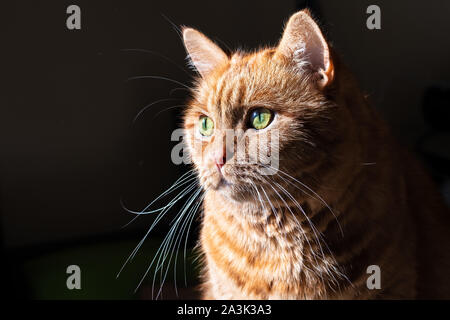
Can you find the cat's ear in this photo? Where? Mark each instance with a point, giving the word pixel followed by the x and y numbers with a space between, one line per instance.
pixel 304 43
pixel 204 54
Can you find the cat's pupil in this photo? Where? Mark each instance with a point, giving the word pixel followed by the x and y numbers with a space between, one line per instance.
pixel 260 118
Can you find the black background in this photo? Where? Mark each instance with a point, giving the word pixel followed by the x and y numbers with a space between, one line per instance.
pixel 69 149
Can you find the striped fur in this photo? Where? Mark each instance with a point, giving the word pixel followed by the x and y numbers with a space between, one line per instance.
pixel 358 199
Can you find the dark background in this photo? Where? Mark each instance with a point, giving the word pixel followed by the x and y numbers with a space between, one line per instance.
pixel 70 150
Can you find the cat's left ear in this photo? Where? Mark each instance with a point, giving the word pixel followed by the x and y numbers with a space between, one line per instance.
pixel 304 43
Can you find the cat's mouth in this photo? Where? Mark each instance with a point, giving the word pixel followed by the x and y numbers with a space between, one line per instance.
pixel 234 189
pixel 235 185
pixel 223 183
pixel 216 181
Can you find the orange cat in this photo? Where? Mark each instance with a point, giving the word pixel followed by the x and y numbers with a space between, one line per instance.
pixel 342 195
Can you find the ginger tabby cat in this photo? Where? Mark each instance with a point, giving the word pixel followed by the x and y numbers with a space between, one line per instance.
pixel 345 195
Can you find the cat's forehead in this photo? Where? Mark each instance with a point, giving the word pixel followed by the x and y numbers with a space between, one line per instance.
pixel 247 80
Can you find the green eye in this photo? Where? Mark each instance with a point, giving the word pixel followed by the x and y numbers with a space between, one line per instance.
pixel 206 126
pixel 260 118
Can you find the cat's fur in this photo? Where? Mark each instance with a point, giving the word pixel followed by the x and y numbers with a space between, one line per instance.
pixel 370 202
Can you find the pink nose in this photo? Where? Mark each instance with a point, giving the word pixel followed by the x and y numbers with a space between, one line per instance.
pixel 220 159
pixel 220 164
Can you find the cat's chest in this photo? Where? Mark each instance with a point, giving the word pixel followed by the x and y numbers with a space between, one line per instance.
pixel 244 262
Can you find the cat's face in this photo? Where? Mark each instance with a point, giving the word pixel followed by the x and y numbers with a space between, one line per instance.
pixel 252 114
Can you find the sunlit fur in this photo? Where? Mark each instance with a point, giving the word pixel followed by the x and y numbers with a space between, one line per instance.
pixel 346 195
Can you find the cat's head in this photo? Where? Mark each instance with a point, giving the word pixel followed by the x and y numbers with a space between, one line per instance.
pixel 271 104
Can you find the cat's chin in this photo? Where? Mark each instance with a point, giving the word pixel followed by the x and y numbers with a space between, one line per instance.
pixel 234 192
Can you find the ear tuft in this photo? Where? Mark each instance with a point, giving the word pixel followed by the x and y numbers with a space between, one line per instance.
pixel 304 43
pixel 205 55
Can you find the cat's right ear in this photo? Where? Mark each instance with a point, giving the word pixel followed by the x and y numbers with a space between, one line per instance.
pixel 204 54
pixel 305 45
